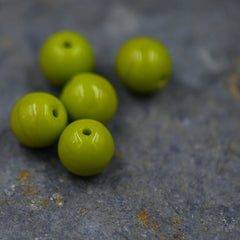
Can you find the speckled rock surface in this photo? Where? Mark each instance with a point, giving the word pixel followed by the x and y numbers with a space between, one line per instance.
pixel 175 174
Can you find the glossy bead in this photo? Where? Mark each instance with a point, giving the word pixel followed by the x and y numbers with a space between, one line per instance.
pixel 91 96
pixel 38 119
pixel 65 54
pixel 143 65
pixel 85 147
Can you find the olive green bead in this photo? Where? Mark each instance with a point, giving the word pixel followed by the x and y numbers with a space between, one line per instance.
pixel 143 65
pixel 85 147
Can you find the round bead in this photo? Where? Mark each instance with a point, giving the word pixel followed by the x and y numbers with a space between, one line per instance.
pixel 91 96
pixel 85 147
pixel 38 119
pixel 143 65
pixel 65 54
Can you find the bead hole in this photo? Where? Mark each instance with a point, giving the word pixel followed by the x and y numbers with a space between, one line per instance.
pixel 55 113
pixel 86 131
pixel 67 44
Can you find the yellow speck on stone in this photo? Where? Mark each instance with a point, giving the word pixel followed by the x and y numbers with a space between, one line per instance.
pixel 58 198
pixel 159 212
pixel 233 88
pixel 155 227
pixel 29 218
pixel 22 175
pixel 29 191
pixel 177 221
pixel 83 211
pixel 143 219
pixel 4 202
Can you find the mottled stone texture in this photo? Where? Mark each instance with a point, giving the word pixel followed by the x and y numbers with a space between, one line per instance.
pixel 175 174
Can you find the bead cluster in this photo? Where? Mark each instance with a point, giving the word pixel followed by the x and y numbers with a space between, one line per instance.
pixel 88 100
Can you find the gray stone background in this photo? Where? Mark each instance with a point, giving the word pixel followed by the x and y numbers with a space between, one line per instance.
pixel 175 174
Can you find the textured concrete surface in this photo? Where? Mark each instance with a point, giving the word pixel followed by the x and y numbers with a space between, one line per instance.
pixel 175 174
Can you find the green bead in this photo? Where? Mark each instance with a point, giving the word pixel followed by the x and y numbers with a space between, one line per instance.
pixel 143 65
pixel 90 96
pixel 64 55
pixel 85 147
pixel 38 119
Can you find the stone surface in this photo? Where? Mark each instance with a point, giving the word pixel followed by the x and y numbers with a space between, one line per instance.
pixel 175 174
